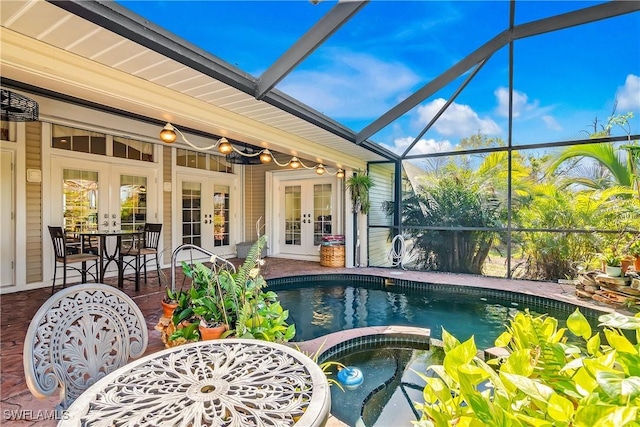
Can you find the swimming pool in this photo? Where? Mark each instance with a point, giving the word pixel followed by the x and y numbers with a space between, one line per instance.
pixel 324 304
pixel 319 305
pixel 391 384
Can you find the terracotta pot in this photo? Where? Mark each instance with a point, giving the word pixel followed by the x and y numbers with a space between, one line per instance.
pixel 212 333
pixel 636 263
pixel 626 263
pixel 167 309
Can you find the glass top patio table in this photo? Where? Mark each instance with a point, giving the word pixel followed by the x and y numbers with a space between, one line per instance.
pixel 228 382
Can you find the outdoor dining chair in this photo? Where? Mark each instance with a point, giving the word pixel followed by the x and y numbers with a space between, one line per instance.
pixel 150 243
pixel 78 336
pixel 64 257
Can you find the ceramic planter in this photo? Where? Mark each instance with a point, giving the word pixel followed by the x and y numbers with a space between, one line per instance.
pixel 613 271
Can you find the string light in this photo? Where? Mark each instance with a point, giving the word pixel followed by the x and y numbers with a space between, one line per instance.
pixel 169 135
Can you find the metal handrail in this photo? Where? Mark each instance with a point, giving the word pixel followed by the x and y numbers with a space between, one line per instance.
pixel 180 248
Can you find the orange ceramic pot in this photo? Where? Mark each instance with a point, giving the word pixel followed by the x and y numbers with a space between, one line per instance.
pixel 212 333
pixel 636 263
pixel 167 309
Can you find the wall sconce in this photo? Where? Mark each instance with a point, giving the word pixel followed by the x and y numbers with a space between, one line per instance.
pixel 170 133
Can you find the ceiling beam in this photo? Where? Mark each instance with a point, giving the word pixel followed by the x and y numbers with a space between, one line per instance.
pixel 583 16
pixel 305 45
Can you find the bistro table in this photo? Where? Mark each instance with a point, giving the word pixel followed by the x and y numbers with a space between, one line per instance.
pixel 117 253
pixel 228 382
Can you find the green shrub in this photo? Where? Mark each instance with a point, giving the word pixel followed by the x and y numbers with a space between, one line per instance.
pixel 544 381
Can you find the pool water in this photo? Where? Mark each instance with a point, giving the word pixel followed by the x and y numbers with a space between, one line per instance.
pixel 390 387
pixel 330 306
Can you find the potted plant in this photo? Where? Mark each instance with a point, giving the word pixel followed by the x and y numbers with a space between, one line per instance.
pixel 359 185
pixel 233 302
pixel 613 264
pixel 634 252
pixel 171 301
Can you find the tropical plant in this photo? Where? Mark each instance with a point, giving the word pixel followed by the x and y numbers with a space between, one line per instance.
pixel 611 166
pixel 359 185
pixel 453 199
pixel 218 295
pixel 544 380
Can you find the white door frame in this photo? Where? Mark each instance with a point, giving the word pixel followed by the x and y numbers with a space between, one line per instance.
pixel 207 179
pixel 274 180
pixel 109 172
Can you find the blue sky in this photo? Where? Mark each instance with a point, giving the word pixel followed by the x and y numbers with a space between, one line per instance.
pixel 563 80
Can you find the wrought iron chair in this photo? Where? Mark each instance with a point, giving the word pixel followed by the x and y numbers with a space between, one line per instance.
pixel 78 336
pixel 62 256
pixel 150 243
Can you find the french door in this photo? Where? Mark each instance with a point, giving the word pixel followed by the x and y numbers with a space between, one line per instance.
pixel 306 214
pixel 206 213
pixel 7 219
pixel 102 196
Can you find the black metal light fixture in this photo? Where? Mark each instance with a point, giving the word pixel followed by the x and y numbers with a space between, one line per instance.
pixel 17 108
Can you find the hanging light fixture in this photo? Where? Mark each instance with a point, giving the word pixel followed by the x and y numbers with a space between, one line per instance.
pixel 294 163
pixel 225 147
pixel 169 135
pixel 265 156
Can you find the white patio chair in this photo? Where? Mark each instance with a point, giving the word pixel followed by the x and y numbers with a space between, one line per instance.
pixel 78 336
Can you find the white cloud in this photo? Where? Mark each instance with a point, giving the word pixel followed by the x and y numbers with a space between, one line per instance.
pixel 520 102
pixel 551 122
pixel 628 96
pixel 423 146
pixel 351 86
pixel 457 120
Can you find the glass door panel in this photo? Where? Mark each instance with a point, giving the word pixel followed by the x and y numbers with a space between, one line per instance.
pixel 307 210
pixel 221 215
pixel 191 213
pixel 206 214
pixel 322 198
pixel 133 202
pixel 80 200
pixel 292 215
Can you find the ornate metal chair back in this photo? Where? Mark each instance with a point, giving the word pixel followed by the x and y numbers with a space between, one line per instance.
pixel 78 336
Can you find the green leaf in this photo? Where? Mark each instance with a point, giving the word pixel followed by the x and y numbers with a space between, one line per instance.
pixel 578 325
pixel 593 345
pixel 518 362
pixel 617 387
pixel 605 416
pixel 560 408
pixel 619 342
pixel 503 340
pixel 458 356
pixel 449 340
pixel 534 389
pixel 619 320
pixel 435 390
